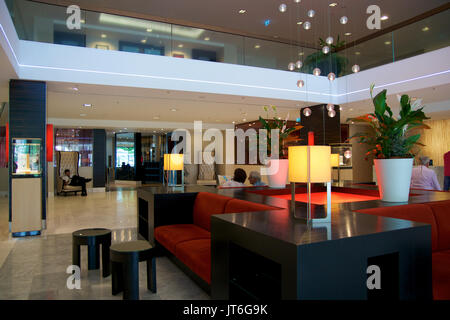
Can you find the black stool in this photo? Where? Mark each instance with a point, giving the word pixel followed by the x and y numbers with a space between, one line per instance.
pixel 125 258
pixel 92 238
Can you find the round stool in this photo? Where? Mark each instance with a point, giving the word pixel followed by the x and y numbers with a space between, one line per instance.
pixel 125 258
pixel 92 238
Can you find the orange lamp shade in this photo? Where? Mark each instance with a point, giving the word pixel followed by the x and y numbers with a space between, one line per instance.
pixel 335 159
pixel 309 164
pixel 49 143
pixel 173 161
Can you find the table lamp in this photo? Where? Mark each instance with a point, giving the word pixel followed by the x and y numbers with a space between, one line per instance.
pixel 335 163
pixel 310 164
pixel 174 162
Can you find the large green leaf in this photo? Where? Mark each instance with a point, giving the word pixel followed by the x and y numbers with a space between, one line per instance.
pixel 380 103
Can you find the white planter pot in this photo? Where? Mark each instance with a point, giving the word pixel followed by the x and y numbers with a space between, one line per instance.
pixel 394 178
pixel 280 177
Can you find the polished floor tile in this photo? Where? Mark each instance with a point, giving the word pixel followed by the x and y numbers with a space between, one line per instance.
pixel 35 267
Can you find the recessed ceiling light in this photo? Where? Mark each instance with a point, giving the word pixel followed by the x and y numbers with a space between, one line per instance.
pixel 301 53
pixel 242 11
pixel 244 119
pixel 385 17
pixel 156 117
pixel 82 114
pixel 300 22
pixel 233 122
pixel 425 29
pixel 207 39
pixel 387 42
pixel 173 109
pixel 348 33
pixel 83 21
pixel 257 46
pixel 125 129
pixel 357 53
pixel 180 45
pixel 334 4
pixel 87 105
pixel 149 30
pixel 103 35
pixel 74 88
pixel 143 40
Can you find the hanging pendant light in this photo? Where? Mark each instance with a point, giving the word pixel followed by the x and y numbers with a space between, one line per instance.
pixel 307 25
pixel 325 49
pixel 316 72
pixel 307 112
pixel 282 7
pixel 329 40
pixel 298 64
pixel 300 83
pixel 311 13
pixel 355 68
pixel 331 76
pixel 291 66
pixel 331 113
pixel 330 107
pixel 343 20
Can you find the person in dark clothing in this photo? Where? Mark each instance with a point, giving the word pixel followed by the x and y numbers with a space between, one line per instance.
pixel 75 181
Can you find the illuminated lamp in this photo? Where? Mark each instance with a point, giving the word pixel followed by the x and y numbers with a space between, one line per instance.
pixel 174 162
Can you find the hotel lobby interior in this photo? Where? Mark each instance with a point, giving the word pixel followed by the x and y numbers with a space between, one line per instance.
pixel 236 151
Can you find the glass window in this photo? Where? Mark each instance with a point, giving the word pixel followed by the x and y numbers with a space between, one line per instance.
pixel 76 140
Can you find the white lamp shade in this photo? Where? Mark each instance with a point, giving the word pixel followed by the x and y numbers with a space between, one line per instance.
pixel 173 161
pixel 315 160
pixel 335 159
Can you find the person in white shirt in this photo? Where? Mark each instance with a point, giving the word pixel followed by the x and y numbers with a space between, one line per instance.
pixel 75 181
pixel 423 177
pixel 238 180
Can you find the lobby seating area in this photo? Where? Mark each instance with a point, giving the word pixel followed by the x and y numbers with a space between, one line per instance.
pixel 191 243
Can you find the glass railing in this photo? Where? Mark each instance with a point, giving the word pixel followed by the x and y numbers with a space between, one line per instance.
pixel 47 23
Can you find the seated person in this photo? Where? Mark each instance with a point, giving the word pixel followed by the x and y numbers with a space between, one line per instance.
pixel 255 179
pixel 423 177
pixel 238 179
pixel 75 181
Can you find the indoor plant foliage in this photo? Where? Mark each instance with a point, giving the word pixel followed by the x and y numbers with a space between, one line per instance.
pixel 391 136
pixel 330 62
pixel 285 133
pixel 391 143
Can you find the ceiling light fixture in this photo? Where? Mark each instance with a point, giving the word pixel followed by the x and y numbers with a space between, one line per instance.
pixel 385 17
pixel 348 34
pixel 300 22
pixel 149 30
pixel 207 39
pixel 87 105
pixel 425 29
pixel 143 40
pixel 83 21
pixel 257 46
pixel 387 42
pixel 74 88
pixel 334 4
pixel 242 11
pixel 357 53
pixel 173 109
pixel 83 114
pixel 103 35
pixel 282 7
pixel 180 45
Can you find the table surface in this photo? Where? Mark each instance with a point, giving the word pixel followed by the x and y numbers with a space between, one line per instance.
pixel 94 232
pixel 281 224
pixel 131 246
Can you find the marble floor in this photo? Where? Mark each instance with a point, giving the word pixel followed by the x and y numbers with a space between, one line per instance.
pixel 35 267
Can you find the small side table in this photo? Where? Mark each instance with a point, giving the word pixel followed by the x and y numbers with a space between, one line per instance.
pixel 125 258
pixel 92 238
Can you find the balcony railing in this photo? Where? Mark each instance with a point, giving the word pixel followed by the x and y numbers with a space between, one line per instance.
pixel 47 23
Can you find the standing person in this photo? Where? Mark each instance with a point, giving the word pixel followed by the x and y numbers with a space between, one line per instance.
pixel 447 171
pixel 423 177
pixel 75 181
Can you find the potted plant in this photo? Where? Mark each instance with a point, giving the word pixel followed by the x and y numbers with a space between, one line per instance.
pixel 280 177
pixel 330 62
pixel 392 143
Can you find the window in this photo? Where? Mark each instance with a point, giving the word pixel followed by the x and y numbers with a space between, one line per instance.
pixel 140 48
pixel 76 140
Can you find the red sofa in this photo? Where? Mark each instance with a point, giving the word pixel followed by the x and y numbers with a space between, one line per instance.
pixel 438 215
pixel 191 243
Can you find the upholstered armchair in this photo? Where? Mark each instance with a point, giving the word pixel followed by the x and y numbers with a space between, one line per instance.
pixel 66 160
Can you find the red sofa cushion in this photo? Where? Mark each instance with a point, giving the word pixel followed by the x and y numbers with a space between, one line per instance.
pixel 236 205
pixel 206 204
pixel 441 210
pixel 441 275
pixel 196 254
pixel 170 236
pixel 413 212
